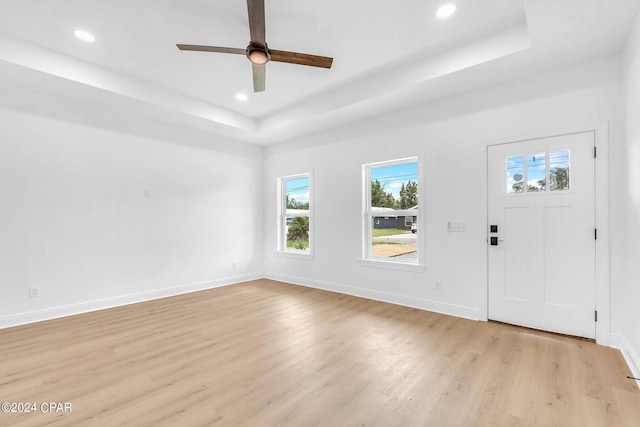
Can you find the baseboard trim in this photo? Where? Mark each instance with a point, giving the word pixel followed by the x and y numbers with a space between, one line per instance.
pixel 95 305
pixel 616 340
pixel 407 301
pixel 630 356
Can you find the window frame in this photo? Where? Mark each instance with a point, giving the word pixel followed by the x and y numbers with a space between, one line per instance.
pixel 283 214
pixel 525 167
pixel 368 214
pixel 410 217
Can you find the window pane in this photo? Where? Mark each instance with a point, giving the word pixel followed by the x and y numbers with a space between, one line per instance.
pixel 559 178
pixel 515 174
pixel 395 187
pixel 295 214
pixel 297 193
pixel 297 232
pixel 391 238
pixel 536 172
pixel 392 211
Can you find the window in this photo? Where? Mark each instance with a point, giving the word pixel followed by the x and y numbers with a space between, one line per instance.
pixel 294 219
pixel 542 172
pixel 390 211
pixel 559 178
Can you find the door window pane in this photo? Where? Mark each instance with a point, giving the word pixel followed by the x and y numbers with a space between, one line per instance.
pixel 536 172
pixel 515 174
pixel 559 178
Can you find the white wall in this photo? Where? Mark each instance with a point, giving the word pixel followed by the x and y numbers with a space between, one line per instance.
pixel 450 136
pixel 75 222
pixel 626 297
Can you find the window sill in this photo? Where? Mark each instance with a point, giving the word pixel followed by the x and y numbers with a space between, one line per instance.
pixel 390 265
pixel 296 255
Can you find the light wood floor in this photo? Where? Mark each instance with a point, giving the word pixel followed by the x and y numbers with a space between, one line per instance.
pixel 265 353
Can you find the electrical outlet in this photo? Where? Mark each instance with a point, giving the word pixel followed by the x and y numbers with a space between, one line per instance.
pixel 34 292
pixel 438 285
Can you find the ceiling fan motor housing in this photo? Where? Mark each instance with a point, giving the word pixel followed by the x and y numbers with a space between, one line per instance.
pixel 257 54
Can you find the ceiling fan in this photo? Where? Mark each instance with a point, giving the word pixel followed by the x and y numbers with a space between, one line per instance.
pixel 258 53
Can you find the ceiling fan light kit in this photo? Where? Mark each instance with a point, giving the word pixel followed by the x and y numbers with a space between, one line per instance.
pixel 258 53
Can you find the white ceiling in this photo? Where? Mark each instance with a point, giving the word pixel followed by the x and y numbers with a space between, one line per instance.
pixel 387 54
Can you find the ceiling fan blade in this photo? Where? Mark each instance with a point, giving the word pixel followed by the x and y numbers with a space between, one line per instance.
pixel 199 48
pixel 256 22
pixel 301 58
pixel 259 77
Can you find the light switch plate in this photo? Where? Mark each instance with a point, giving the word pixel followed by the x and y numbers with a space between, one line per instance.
pixel 457 227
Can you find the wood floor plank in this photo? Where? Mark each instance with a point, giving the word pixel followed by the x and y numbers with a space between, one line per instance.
pixel 265 353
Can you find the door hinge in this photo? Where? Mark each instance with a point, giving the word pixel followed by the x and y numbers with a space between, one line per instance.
pixel 596 315
pixel 595 233
pixel 595 151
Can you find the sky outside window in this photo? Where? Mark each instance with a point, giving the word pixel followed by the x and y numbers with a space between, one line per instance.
pixel 392 177
pixel 298 189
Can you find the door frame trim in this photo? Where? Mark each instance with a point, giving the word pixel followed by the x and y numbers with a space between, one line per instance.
pixel 601 177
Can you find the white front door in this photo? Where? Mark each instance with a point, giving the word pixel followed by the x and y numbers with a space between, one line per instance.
pixel 542 233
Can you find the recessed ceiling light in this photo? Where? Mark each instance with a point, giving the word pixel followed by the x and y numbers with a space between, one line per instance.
pixel 84 36
pixel 241 97
pixel 446 10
